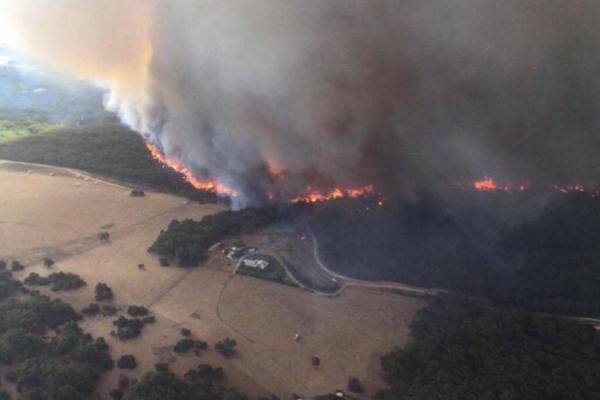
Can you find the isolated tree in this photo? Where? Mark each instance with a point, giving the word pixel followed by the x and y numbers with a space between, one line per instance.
pixel 103 292
pixel 48 262
pixel 315 361
pixel 127 361
pixel 184 345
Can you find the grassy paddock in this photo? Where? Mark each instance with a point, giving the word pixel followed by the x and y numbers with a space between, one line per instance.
pixel 102 146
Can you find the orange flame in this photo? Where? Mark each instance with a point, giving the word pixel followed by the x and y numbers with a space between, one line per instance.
pixel 206 185
pixel 317 196
pixel 276 172
pixel 488 184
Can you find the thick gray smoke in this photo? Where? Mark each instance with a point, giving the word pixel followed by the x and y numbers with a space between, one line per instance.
pixel 402 94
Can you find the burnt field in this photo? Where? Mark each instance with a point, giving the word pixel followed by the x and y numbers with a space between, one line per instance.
pixel 530 249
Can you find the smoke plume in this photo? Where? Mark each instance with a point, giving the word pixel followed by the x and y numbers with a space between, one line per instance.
pixel 271 96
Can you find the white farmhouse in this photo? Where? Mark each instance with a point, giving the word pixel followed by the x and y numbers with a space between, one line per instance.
pixel 258 264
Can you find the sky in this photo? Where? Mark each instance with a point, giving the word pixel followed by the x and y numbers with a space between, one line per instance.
pixel 399 93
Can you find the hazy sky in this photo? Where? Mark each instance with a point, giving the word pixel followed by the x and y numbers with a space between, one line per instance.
pixel 405 94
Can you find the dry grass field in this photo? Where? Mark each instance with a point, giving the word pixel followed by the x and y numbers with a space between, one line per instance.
pixel 46 212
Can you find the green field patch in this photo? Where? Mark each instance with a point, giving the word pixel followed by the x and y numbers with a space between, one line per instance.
pixel 14 126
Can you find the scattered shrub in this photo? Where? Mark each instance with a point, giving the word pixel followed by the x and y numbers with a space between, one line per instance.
pixel 108 310
pixel 128 328
pixel 17 266
pixel 127 361
pixel 61 281
pixel 184 345
pixel 209 373
pixel 103 292
pixel 226 347
pixel 137 311
pixel 315 361
pixel 34 279
pixel 200 344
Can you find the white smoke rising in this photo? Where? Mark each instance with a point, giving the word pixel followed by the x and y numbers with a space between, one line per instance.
pixel 339 92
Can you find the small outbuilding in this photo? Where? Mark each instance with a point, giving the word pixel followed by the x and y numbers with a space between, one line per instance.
pixel 258 264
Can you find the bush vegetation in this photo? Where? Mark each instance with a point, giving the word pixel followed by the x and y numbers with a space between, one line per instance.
pixel 103 147
pixel 184 345
pixel 463 349
pixel 137 311
pixel 226 347
pixel 65 367
pixel 58 281
pixel 92 310
pixel 8 285
pixel 130 328
pixel 127 361
pixel 17 266
pixel 201 383
pixel 103 292
pixel 187 242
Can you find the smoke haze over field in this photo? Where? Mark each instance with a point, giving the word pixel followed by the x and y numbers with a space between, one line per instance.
pixel 402 94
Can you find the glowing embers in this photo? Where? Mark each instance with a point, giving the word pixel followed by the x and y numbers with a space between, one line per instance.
pixel 488 184
pixel 317 196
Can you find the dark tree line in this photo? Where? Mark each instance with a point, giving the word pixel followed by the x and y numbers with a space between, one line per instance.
pixel 200 383
pixel 187 242
pixel 465 350
pixel 545 262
